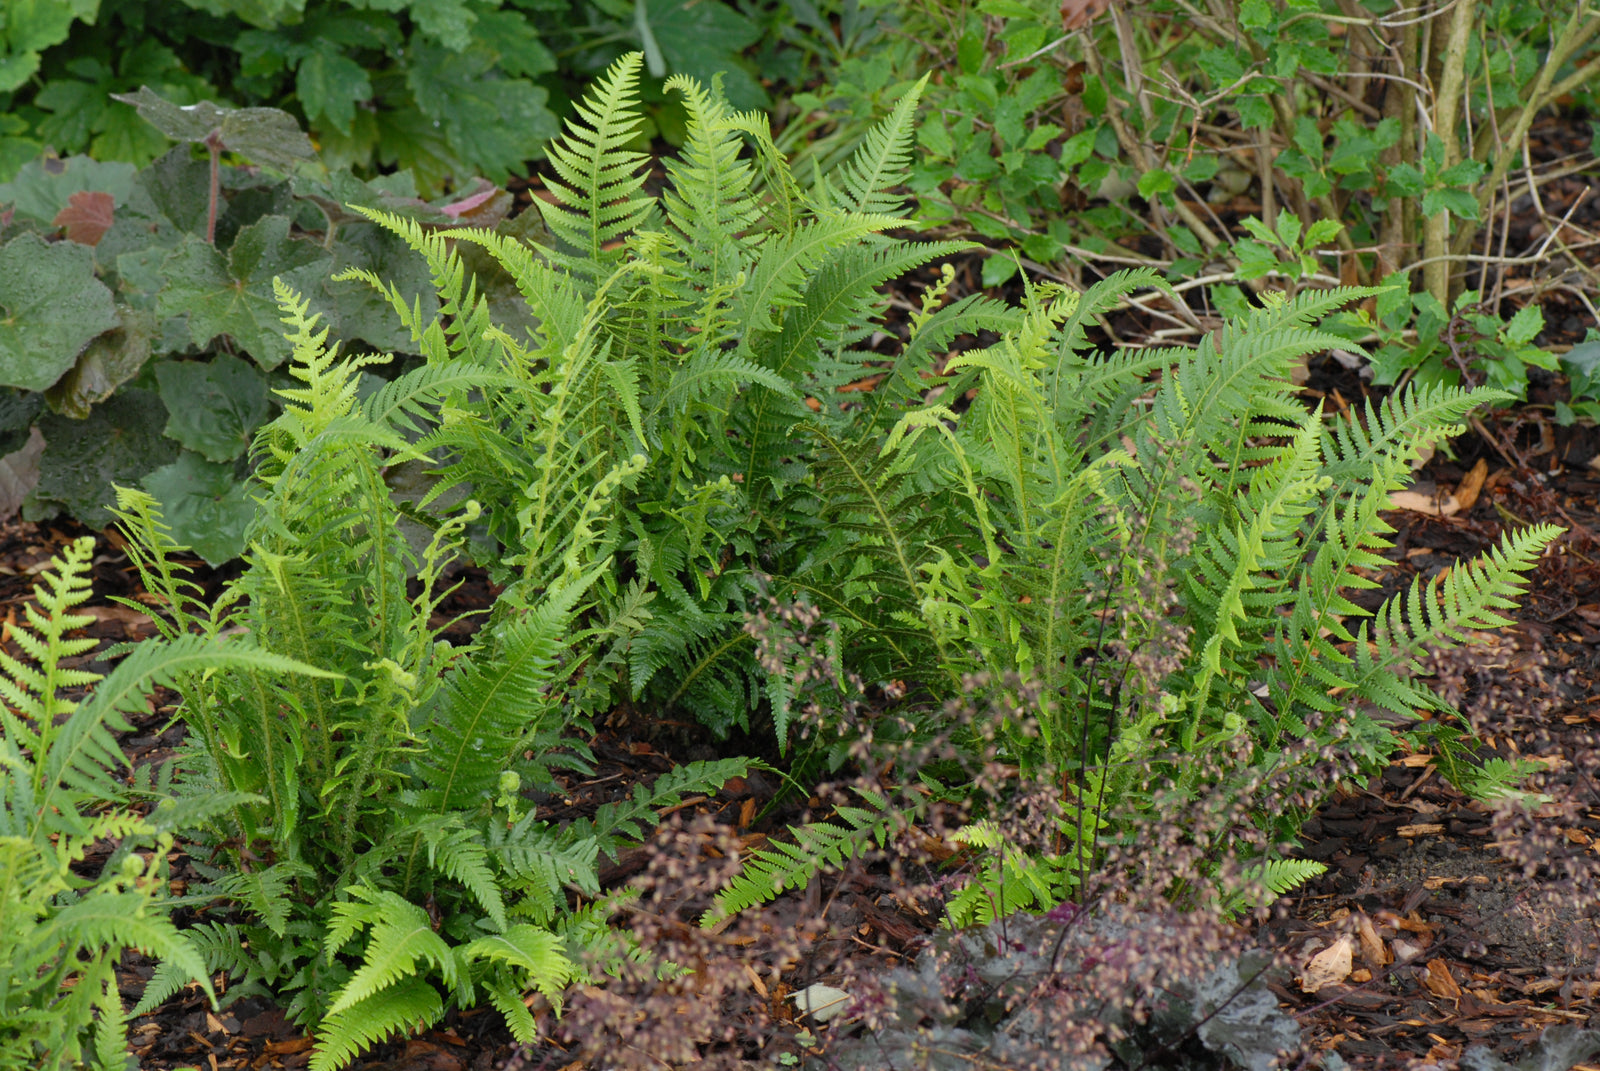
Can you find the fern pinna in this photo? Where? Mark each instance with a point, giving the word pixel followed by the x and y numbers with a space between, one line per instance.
pixel 379 848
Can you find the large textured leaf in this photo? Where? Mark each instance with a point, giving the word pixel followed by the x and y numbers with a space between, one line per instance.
pixel 702 38
pixel 120 442
pixel 215 406
pixel 204 506
pixel 45 186
pixel 111 360
pixel 357 311
pixel 494 124
pixel 51 306
pixel 264 135
pixel 233 296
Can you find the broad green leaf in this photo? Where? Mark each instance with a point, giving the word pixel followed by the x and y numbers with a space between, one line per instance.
pixel 44 187
pixel 111 360
pixel 703 38
pixel 119 442
pixel 207 509
pixel 494 125
pixel 1155 183
pixel 330 84
pixel 214 406
pixel 1458 203
pixel 233 296
pixel 51 306
pixel 263 135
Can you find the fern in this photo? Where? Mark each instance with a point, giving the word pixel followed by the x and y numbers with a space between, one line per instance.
pixel 781 865
pixel 599 180
pixel 61 933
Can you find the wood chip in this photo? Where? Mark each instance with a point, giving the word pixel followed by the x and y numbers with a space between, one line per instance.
pixel 1420 829
pixel 1440 982
pixel 1431 505
pixel 1471 485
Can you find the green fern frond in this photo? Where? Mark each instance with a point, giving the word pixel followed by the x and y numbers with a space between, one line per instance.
pixel 1260 883
pixel 408 1005
pixel 818 845
pixel 597 178
pixel 881 162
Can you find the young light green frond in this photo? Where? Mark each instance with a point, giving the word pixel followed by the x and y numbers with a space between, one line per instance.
pixel 710 203
pixel 401 404
pixel 1440 612
pixel 1099 299
pixel 787 261
pixel 1263 882
pixel 1402 426
pixel 597 178
pixel 408 1005
pixel 537 951
pixel 401 935
pixel 882 161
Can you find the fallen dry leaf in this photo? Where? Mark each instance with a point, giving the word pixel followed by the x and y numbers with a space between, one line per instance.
pixel 1329 967
pixel 822 1002
pixel 1076 14
pixel 1471 484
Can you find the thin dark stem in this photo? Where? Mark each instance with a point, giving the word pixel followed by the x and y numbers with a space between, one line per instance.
pixel 214 147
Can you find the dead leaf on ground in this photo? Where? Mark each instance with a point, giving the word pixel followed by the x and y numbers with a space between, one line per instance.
pixel 1329 967
pixel 1372 949
pixel 1076 14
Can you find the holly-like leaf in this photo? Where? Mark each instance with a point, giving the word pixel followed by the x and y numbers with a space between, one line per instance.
pixel 214 406
pixel 208 510
pixel 120 442
pixel 263 135
pixel 111 360
pixel 233 296
pixel 51 306
pixel 87 217
pixel 44 187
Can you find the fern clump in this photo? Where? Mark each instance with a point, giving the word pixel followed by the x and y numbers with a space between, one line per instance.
pixel 678 337
pixel 374 833
pixel 61 934
pixel 1156 545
